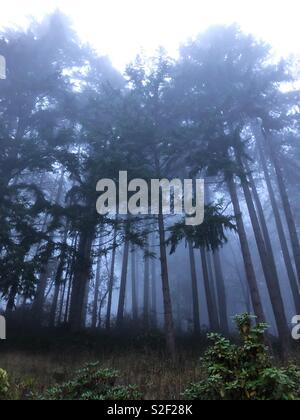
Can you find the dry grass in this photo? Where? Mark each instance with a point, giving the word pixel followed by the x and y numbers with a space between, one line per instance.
pixel 35 363
pixel 155 377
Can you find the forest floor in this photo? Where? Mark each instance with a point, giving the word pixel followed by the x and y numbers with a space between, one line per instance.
pixel 36 363
pixel 154 377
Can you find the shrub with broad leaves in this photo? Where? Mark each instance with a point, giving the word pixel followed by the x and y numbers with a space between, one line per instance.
pixel 92 382
pixel 4 384
pixel 244 372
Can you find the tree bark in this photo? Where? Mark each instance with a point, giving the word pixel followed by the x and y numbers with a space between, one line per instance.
pixel 286 203
pixel 71 277
pixel 221 292
pixel 212 315
pixel 96 291
pixel 111 281
pixel 80 281
pixel 62 300
pixel 220 283
pixel 58 281
pixel 270 271
pixel 212 286
pixel 68 274
pixel 39 301
pixel 244 285
pixel 11 299
pixel 168 311
pixel 147 289
pixel 154 294
pixel 280 229
pixel 96 295
pixel 281 232
pixel 54 304
pixel 122 297
pixel 133 286
pixel 195 291
pixel 249 268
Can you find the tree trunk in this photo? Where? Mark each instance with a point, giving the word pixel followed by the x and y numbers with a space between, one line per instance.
pixel 86 301
pixel 111 281
pixel 54 304
pixel 11 299
pixel 62 300
pixel 220 283
pixel 284 245
pixel 195 292
pixel 58 281
pixel 250 273
pixel 212 286
pixel 270 271
pixel 212 315
pixel 71 277
pixel 39 301
pixel 67 275
pixel 133 286
pixel 244 284
pixel 80 281
pixel 167 301
pixel 67 311
pixel 96 292
pixel 147 288
pixel 122 297
pixel 280 228
pixel 153 288
pixel 169 321
pixel 286 204
pixel 221 292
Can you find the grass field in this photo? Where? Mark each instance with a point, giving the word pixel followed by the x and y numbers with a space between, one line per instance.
pixel 155 378
pixel 37 361
pixel 34 364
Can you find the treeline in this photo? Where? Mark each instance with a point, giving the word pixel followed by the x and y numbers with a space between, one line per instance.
pixel 225 110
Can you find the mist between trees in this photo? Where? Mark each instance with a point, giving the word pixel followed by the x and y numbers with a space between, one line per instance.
pixel 225 111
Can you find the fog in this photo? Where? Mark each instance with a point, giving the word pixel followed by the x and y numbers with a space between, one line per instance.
pixel 197 103
pixel 120 29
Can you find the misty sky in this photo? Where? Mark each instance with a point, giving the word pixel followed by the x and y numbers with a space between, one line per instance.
pixel 119 28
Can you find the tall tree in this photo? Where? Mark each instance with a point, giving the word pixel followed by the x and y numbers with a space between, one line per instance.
pixel 154 290
pixel 82 272
pixel 212 313
pixel 269 267
pixel 96 290
pixel 221 292
pixel 147 286
pixel 134 285
pixel 249 267
pixel 123 284
pixel 285 201
pixel 279 225
pixel 111 280
pixel 195 291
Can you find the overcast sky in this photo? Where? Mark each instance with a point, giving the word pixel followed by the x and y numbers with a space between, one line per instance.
pixel 120 28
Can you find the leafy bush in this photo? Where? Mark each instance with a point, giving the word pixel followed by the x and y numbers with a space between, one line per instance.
pixel 93 383
pixel 244 372
pixel 4 384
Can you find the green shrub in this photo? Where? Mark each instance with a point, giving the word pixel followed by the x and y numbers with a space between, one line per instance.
pixel 244 372
pixel 92 383
pixel 4 384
